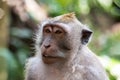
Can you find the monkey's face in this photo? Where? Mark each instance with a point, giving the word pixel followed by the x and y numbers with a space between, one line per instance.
pixel 54 44
pixel 60 38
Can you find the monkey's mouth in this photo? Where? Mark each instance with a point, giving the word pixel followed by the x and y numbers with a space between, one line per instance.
pixel 49 56
pixel 49 59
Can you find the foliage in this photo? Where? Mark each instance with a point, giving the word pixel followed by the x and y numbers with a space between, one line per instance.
pixel 96 13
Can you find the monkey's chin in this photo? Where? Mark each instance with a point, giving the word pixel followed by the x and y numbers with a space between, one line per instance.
pixel 50 59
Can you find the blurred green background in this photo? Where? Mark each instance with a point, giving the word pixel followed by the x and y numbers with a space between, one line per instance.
pixel 19 20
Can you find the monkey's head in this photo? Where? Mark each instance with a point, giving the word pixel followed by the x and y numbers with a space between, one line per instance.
pixel 60 38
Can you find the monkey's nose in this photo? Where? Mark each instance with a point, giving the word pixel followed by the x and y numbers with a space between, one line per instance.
pixel 47 46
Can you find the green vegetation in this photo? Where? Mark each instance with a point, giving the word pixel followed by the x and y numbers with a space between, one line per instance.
pixel 103 17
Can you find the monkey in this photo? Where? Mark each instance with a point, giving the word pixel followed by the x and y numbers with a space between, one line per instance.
pixel 62 52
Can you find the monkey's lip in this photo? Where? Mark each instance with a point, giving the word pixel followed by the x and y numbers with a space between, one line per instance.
pixel 49 56
pixel 48 59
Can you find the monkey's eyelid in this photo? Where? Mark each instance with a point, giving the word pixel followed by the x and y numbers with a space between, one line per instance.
pixel 47 31
pixel 58 32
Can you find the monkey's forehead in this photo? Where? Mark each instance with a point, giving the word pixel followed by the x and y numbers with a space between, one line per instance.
pixel 65 20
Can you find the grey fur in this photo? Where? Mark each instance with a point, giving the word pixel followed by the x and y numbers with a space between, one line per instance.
pixel 82 64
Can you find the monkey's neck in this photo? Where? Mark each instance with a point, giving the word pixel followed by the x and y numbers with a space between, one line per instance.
pixel 74 55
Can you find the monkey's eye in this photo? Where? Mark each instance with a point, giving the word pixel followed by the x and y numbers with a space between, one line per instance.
pixel 58 32
pixel 47 31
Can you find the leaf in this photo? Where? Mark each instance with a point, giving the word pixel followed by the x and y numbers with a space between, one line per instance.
pixel 117 2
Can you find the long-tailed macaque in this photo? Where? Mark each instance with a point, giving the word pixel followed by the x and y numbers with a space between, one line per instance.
pixel 62 52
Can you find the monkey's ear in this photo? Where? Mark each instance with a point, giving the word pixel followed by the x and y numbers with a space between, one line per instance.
pixel 86 34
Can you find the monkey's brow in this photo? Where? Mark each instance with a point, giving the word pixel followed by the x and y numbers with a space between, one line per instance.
pixel 59 22
pixel 52 25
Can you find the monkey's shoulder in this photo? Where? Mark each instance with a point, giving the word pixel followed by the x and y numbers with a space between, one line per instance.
pixel 33 68
pixel 89 66
pixel 33 62
pixel 86 56
pixel 87 73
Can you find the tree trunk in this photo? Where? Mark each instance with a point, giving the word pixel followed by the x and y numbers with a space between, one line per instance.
pixel 3 38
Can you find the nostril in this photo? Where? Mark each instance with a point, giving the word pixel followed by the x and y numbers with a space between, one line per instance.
pixel 46 46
